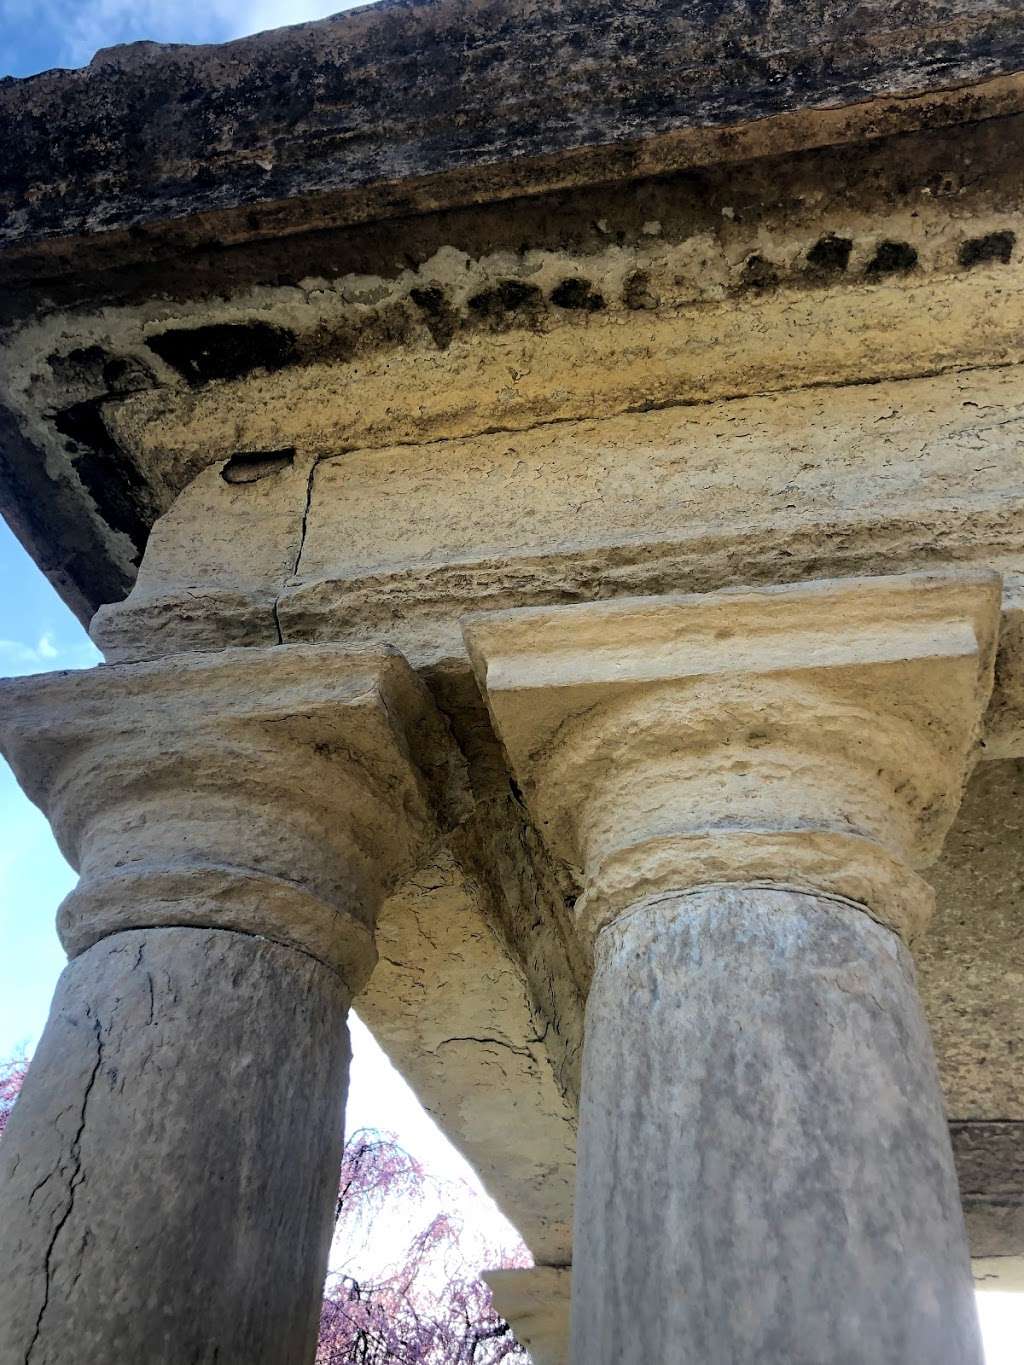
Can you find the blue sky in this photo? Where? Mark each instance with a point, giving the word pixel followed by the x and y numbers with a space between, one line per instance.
pixel 38 34
pixel 38 633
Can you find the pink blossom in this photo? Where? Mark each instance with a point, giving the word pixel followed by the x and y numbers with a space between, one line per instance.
pixel 12 1073
pixel 431 1308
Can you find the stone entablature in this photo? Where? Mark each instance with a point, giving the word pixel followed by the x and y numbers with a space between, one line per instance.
pixel 353 120
pixel 835 267
pixel 399 545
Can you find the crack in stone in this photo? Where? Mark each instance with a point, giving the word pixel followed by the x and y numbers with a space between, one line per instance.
pixel 496 1042
pixel 305 515
pixel 303 529
pixel 40 1183
pixel 75 1152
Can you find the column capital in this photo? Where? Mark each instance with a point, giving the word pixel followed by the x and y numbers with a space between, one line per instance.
pixel 279 791
pixel 816 736
pixel 535 1303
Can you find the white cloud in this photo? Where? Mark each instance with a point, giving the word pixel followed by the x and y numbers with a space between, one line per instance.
pixel 18 658
pixel 104 23
pixel 17 653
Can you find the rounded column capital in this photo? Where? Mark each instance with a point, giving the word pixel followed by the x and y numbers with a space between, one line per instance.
pixel 280 792
pixel 815 736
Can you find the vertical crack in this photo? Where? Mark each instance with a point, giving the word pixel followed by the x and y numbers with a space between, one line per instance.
pixel 305 515
pixel 75 1153
pixel 303 528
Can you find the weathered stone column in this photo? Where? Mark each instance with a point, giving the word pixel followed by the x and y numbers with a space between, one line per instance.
pixel 168 1177
pixel 746 783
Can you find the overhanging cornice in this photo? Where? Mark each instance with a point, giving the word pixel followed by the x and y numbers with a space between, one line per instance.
pixel 413 105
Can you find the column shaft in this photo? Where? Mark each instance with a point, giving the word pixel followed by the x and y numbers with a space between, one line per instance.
pixel 168 1176
pixel 765 1173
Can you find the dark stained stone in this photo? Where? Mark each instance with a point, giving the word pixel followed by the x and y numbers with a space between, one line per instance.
pixel 830 255
pixel 892 258
pixel 430 103
pixel 224 350
pixel 994 246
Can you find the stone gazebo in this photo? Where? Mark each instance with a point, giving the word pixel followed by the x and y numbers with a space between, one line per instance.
pixel 547 482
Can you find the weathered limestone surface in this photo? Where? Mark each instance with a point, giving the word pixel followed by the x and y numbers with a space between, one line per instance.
pixel 234 539
pixel 449 1004
pixel 395 545
pixel 970 965
pixel 181 1121
pixel 971 973
pixel 897 257
pixel 405 106
pixel 667 318
pixel 825 731
pixel 762 1101
pixel 280 792
pixel 535 1303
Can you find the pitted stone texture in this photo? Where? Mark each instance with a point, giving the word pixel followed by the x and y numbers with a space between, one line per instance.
pixel 574 366
pixel 815 736
pixel 765 1172
pixel 281 791
pixel 170 1169
pixel 352 117
pixel 971 962
pixel 873 478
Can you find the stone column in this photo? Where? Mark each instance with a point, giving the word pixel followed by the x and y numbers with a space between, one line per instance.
pixel 746 784
pixel 169 1174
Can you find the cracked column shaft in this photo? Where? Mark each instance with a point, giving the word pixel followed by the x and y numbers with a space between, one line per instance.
pixel 170 1168
pixel 169 1174
pixel 747 783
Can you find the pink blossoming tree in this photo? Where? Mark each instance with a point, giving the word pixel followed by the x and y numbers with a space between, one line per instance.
pixel 430 1307
pixel 12 1073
